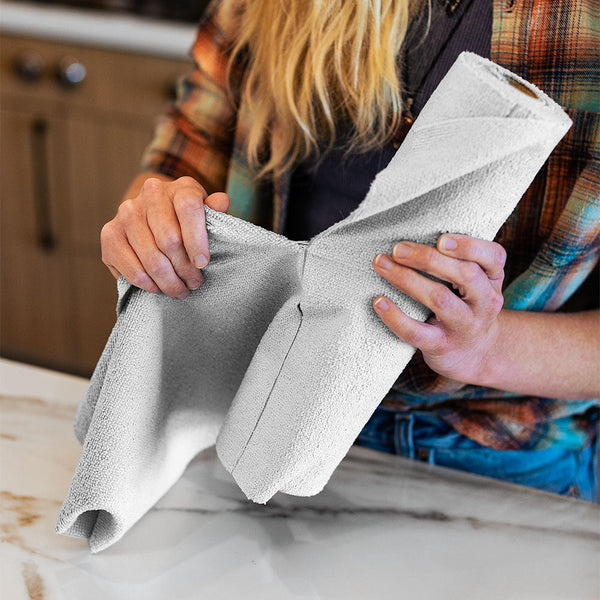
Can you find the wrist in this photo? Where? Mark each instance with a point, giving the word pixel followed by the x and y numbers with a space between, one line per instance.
pixel 488 367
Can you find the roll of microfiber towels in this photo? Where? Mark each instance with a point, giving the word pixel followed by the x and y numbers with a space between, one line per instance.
pixel 279 358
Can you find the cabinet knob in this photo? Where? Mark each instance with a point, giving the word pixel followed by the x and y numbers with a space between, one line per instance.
pixel 29 66
pixel 70 72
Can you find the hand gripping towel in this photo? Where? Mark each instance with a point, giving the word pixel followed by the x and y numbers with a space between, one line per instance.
pixel 279 358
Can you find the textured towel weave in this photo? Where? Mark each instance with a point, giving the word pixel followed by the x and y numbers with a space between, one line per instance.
pixel 279 357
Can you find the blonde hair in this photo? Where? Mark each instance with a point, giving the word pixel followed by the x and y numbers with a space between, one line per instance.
pixel 314 64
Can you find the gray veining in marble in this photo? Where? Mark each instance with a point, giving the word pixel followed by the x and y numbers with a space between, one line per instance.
pixel 384 527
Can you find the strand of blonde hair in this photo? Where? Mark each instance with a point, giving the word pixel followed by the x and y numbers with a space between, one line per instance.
pixel 313 64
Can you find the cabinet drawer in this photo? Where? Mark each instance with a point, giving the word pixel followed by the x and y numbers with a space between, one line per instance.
pixel 141 86
pixel 121 83
pixel 45 86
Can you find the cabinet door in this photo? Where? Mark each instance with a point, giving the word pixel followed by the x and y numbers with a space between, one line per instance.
pixel 37 303
pixel 105 157
pixel 66 158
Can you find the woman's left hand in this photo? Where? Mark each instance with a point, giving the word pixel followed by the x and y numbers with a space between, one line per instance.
pixel 456 338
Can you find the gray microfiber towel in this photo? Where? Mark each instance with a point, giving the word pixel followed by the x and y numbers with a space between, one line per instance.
pixel 278 357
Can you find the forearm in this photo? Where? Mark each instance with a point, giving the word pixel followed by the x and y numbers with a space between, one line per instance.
pixel 553 355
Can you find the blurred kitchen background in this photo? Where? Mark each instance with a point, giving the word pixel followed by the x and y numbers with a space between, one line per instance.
pixel 82 84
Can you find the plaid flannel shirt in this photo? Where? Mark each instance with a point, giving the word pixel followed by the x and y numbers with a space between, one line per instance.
pixel 552 238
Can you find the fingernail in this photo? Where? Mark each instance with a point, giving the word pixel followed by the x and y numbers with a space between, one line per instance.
pixel 448 243
pixel 381 260
pixel 184 295
pixel 401 250
pixel 193 284
pixel 382 303
pixel 201 261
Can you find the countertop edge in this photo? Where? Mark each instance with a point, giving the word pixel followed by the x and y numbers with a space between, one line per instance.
pixel 112 31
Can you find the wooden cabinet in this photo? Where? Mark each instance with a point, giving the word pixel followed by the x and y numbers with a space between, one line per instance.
pixel 67 155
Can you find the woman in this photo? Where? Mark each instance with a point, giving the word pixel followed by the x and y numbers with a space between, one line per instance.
pixel 292 110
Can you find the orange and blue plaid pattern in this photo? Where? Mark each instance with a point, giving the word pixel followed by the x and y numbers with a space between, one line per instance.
pixel 552 238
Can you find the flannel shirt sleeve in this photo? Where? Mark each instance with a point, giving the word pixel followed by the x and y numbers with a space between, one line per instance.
pixel 581 241
pixel 196 134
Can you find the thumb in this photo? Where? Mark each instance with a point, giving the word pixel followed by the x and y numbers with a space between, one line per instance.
pixel 218 201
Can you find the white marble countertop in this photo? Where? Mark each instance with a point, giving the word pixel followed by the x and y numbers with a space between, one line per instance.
pixel 384 527
pixel 116 31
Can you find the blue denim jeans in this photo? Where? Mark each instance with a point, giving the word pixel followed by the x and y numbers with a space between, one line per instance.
pixel 421 435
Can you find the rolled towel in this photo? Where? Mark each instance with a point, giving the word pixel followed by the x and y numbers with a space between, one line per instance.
pixel 279 357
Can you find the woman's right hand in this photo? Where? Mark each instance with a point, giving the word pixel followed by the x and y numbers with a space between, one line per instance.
pixel 158 239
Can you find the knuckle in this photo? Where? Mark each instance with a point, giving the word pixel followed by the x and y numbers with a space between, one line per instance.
pixel 195 280
pixel 152 186
pixel 126 209
pixel 169 241
pixel 442 298
pixel 186 180
pixel 140 279
pixel 107 232
pixel 158 263
pixel 422 338
pixel 108 242
pixel 417 338
pixel 499 255
pixel 188 202
pixel 470 272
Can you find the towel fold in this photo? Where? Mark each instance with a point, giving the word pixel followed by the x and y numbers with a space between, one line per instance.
pixel 279 358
